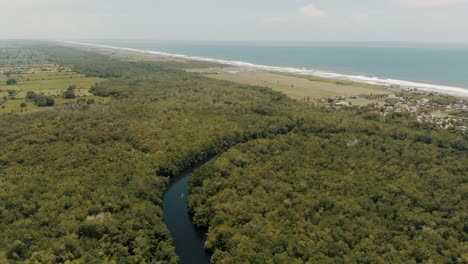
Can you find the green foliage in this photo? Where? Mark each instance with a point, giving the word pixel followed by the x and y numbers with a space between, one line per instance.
pixel 30 95
pixel 70 92
pixel 11 81
pixel 86 184
pixel 40 100
pixel 340 189
pixel 44 101
pixel 11 92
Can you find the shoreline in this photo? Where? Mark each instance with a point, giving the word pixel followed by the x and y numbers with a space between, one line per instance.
pixel 388 83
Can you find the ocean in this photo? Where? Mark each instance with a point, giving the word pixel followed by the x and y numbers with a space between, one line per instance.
pixel 439 67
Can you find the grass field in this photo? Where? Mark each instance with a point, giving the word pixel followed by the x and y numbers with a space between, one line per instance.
pixel 297 87
pixel 51 83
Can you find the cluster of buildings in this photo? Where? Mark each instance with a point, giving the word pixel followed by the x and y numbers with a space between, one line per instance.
pixel 442 112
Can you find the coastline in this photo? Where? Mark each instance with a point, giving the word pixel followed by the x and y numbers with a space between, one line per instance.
pixel 390 83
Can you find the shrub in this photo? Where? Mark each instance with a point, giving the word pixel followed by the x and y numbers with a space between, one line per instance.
pixel 70 92
pixel 45 101
pixel 11 81
pixel 31 96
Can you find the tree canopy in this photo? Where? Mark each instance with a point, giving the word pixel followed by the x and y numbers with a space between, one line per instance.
pixel 339 189
pixel 296 184
pixel 86 185
pixel 11 81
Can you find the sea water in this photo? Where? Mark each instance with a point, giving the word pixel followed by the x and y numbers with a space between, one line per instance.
pixel 439 67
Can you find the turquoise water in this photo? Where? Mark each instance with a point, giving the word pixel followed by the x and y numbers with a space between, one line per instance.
pixel 439 64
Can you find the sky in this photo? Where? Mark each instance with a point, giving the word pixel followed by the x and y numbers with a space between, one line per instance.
pixel 239 20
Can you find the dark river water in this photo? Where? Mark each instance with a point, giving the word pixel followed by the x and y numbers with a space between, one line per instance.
pixel 188 240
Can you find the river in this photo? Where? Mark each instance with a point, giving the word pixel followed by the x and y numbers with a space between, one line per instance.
pixel 188 241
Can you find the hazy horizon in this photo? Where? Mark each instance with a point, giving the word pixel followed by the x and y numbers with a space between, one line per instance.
pixel 424 21
pixel 253 42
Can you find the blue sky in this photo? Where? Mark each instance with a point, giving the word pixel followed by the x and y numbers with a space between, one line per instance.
pixel 281 20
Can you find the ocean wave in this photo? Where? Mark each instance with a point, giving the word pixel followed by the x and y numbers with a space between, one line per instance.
pixel 457 91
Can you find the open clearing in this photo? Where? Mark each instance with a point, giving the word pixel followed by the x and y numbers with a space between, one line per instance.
pixel 48 83
pixel 297 87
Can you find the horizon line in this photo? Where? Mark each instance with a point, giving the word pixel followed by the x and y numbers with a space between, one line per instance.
pixel 243 40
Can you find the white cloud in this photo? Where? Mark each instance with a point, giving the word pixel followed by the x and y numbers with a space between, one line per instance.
pixel 360 18
pixel 312 11
pixel 427 3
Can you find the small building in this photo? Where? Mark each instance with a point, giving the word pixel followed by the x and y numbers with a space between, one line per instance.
pixel 342 104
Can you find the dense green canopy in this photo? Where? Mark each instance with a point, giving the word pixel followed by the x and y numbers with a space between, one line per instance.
pixel 339 189
pixel 85 183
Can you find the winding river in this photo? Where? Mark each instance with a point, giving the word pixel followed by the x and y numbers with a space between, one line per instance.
pixel 188 240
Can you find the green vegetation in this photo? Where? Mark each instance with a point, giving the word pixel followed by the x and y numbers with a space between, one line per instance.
pixel 344 187
pixel 11 92
pixel 27 69
pixel 39 100
pixel 11 81
pixel 85 182
pixel 44 101
pixel 70 92
pixel 297 86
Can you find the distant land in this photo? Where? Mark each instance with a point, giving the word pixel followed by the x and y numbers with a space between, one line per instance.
pixel 114 155
pixel 429 67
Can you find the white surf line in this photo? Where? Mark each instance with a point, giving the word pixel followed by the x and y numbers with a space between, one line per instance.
pixel 451 90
